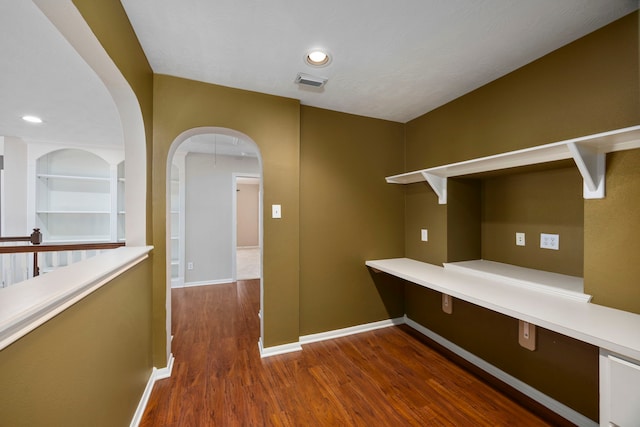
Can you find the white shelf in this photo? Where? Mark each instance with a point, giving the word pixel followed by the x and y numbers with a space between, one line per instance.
pixel 588 152
pixel 73 177
pixel 78 239
pixel 75 212
pixel 604 327
pixel 561 285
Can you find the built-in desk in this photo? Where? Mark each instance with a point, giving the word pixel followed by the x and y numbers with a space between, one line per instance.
pixel 616 332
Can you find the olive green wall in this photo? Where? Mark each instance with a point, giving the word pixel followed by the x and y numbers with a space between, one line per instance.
pixel 88 366
pixel 589 86
pixel 348 214
pixel 273 123
pixel 548 201
pixel 612 236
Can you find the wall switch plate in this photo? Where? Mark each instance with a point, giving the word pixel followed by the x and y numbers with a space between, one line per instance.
pixel 447 303
pixel 189 266
pixel 527 335
pixel 276 211
pixel 424 235
pixel 550 241
pixel 519 239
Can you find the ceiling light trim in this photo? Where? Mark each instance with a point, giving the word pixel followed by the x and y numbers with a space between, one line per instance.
pixel 310 57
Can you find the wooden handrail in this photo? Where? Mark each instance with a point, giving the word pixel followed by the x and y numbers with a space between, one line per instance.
pixel 59 247
pixel 37 247
pixel 35 238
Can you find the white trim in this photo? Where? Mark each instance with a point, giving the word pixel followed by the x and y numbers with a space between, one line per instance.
pixel 206 283
pixel 557 407
pixel 156 374
pixel 163 373
pixel 323 336
pixel 278 349
pixel 337 333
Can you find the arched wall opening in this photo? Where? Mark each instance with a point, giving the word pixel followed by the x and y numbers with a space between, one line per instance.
pixel 68 20
pixel 208 154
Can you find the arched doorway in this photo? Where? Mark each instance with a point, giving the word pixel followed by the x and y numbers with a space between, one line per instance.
pixel 203 166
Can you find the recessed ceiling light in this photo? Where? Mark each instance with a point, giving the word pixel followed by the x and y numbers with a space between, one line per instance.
pixel 317 58
pixel 32 119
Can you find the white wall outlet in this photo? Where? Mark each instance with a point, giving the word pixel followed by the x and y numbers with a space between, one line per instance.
pixel 189 266
pixel 276 211
pixel 519 239
pixel 550 241
pixel 424 235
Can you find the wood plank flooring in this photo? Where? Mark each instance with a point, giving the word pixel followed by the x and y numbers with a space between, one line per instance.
pixel 386 377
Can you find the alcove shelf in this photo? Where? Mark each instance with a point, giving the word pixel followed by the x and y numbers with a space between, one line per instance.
pixel 588 152
pixel 560 285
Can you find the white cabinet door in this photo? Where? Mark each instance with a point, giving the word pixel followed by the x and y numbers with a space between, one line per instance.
pixel 619 391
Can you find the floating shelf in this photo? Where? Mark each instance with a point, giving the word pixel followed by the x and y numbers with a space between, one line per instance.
pixel 588 152
pixel 74 177
pixel 560 285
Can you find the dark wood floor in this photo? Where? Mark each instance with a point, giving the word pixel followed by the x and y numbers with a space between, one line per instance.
pixel 381 378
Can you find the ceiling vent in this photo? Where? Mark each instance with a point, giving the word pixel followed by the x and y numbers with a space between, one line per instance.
pixel 309 80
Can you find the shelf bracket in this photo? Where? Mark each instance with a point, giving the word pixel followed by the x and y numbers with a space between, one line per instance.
pixel 438 184
pixel 591 165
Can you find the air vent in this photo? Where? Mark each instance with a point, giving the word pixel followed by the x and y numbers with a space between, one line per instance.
pixel 309 80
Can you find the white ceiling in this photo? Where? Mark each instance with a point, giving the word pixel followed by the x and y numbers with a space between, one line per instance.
pixel 390 60
pixel 42 75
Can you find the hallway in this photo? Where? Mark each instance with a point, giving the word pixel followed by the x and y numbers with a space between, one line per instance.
pixel 384 377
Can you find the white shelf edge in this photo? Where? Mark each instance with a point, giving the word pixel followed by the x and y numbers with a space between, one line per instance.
pixel 74 177
pixel 90 239
pixel 588 152
pixel 56 212
pixel 528 283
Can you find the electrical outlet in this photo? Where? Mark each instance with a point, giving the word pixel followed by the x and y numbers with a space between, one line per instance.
pixel 189 266
pixel 519 239
pixel 550 241
pixel 424 235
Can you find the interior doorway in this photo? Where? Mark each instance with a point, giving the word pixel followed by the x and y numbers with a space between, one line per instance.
pixel 247 226
pixel 205 169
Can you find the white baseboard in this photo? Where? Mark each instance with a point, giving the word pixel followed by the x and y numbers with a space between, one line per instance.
pixel 208 282
pixel 557 407
pixel 163 373
pixel 278 349
pixel 337 333
pixel 322 336
pixel 156 374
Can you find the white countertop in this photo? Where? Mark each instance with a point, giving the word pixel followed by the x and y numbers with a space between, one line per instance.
pixel 615 330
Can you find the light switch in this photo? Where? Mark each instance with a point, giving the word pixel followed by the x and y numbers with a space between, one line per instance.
pixel 276 211
pixel 424 235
